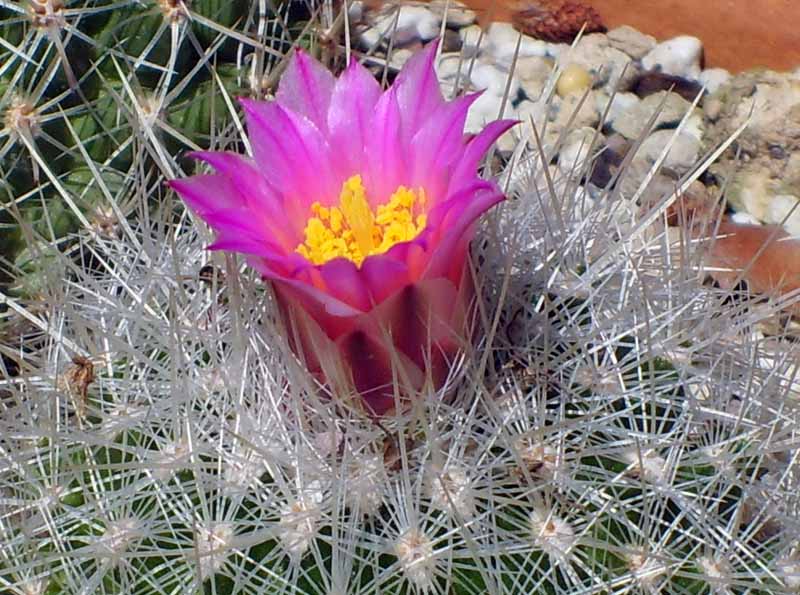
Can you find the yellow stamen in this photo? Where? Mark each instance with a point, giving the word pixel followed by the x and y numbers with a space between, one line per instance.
pixel 351 230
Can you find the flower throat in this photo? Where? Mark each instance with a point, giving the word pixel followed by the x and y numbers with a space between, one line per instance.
pixel 353 231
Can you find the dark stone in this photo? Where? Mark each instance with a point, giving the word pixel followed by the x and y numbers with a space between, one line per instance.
pixel 652 82
pixel 451 42
pixel 607 163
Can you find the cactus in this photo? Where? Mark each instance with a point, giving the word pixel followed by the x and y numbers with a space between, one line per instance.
pixel 79 78
pixel 624 427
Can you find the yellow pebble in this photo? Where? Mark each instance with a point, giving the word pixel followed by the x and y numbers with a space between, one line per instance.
pixel 573 79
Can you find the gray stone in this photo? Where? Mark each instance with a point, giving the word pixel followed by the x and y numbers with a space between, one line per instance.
pixel 784 209
pixel 713 78
pixel 586 113
pixel 634 43
pixel 533 73
pixel 679 56
pixel 538 114
pixel 494 79
pixel 750 191
pixel 684 150
pixel 635 123
pixel 636 172
pixel 681 157
pixel 773 111
pixel 757 192
pixel 458 14
pixel 766 160
pixel 622 104
pixel 470 36
pixel 356 11
pixel 712 108
pixel 447 69
pixel 576 148
pixel 399 57
pixel 695 125
pixel 502 43
pixel 486 109
pixel 414 23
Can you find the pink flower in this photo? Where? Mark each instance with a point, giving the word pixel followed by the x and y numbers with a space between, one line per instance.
pixel 359 206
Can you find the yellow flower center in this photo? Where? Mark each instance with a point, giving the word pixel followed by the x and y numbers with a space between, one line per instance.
pixel 351 230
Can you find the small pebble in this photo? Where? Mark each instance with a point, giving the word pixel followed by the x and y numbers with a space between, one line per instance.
pixel 469 40
pixel 784 209
pixel 495 80
pixel 576 150
pixel 679 56
pixel 399 58
pixel 632 42
pixel 712 108
pixel 713 78
pixel 501 42
pixel 458 15
pixel 621 106
pixel 573 79
pixel 743 218
pixel 682 155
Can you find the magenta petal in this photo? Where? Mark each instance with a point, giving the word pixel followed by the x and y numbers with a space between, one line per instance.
pixel 385 151
pixel 417 88
pixel 437 144
pixel 384 276
pixel 239 221
pixel 305 88
pixel 245 245
pixel 259 197
pixel 456 202
pixel 447 259
pixel 475 150
pixel 243 175
pixel 290 150
pixel 322 306
pixel 350 117
pixel 207 193
pixel 343 280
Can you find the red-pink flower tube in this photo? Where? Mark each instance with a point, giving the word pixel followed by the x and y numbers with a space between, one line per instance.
pixel 359 206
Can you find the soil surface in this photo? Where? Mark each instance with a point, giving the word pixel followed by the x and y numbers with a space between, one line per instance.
pixel 736 34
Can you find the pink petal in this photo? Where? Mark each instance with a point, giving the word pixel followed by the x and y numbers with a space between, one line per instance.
pixel 476 148
pixel 437 144
pixel 384 275
pixel 332 314
pixel 456 202
pixel 259 197
pixel 385 151
pixel 291 152
pixel 417 88
pixel 207 193
pixel 419 317
pixel 447 258
pixel 343 281
pixel 350 117
pixel 244 245
pixel 238 221
pixel 305 88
